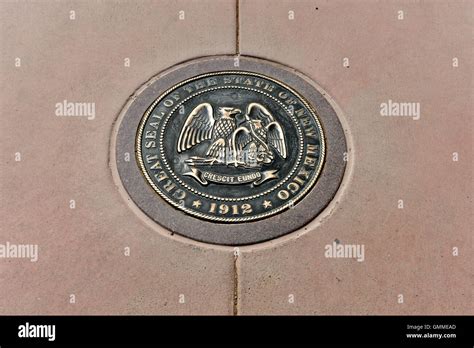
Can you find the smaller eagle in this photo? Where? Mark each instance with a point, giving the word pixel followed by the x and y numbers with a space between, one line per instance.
pixel 256 138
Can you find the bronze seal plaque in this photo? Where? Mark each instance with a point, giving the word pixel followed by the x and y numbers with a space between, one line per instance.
pixel 230 146
pixel 230 153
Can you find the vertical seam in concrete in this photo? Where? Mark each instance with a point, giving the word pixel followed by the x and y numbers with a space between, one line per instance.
pixel 237 27
pixel 236 263
pixel 236 294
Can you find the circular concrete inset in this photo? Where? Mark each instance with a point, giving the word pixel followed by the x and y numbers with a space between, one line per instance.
pixel 229 150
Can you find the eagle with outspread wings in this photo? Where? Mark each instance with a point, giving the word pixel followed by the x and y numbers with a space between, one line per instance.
pixel 249 142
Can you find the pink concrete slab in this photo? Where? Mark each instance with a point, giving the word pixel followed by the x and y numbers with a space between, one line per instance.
pixel 81 250
pixel 408 251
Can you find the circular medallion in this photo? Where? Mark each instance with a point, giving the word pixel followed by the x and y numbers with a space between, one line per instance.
pixel 231 146
pixel 229 150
